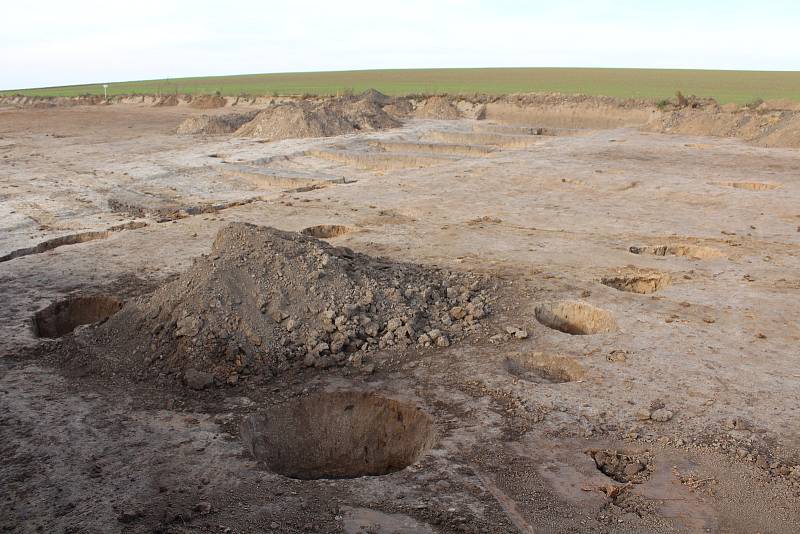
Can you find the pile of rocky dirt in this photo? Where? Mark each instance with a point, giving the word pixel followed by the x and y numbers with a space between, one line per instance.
pixel 208 102
pixel 265 301
pixel 321 119
pixel 215 124
pixel 376 97
pixel 437 107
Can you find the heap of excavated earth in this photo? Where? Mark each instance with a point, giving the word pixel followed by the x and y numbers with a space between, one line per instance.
pixel 265 301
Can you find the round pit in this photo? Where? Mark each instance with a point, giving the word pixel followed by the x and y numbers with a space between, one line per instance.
pixel 544 368
pixel 326 231
pixel 575 318
pixel 64 316
pixel 338 435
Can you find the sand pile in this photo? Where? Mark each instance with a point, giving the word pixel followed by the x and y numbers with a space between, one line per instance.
pixel 215 124
pixel 208 102
pixel 437 107
pixel 265 301
pixel 306 119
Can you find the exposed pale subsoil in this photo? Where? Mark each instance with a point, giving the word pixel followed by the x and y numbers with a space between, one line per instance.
pixel 635 370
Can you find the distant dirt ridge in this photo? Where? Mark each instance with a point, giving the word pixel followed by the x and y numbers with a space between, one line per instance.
pixel 768 124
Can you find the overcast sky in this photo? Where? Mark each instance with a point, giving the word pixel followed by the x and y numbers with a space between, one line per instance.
pixel 55 42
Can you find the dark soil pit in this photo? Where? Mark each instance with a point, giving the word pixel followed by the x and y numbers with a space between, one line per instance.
pixel 338 435
pixel 326 231
pixel 575 318
pixel 540 367
pixel 622 467
pixel 64 316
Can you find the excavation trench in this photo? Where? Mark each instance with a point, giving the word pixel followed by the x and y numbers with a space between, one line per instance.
pixel 338 435
pixel 695 252
pixel 326 231
pixel 64 316
pixel 381 161
pixel 539 367
pixel 575 318
pixel 638 282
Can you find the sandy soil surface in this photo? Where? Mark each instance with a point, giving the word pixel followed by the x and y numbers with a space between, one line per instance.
pixel 637 371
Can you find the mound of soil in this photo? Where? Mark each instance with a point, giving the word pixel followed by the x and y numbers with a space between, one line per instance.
pixel 437 107
pixel 169 100
pixel 215 124
pixel 208 102
pixel 376 97
pixel 265 301
pixel 305 119
pixel 400 108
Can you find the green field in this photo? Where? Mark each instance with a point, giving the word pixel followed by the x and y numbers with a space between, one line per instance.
pixel 726 86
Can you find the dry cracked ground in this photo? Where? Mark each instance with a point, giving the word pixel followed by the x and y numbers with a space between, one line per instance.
pixel 638 370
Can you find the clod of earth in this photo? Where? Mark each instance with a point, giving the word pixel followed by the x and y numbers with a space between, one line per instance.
pixel 326 231
pixel 540 367
pixel 576 318
pixel 695 252
pixel 64 316
pixel 338 435
pixel 620 466
pixel 638 282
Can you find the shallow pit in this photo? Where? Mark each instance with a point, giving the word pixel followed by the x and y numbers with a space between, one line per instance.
pixel 695 252
pixel 338 435
pixel 575 318
pixel 64 316
pixel 621 466
pixel 751 186
pixel 544 368
pixel 326 231
pixel 642 282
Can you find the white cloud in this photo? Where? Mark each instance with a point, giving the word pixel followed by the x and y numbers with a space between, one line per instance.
pixel 51 42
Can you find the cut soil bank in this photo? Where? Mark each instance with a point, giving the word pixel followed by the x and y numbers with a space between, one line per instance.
pixel 265 301
pixel 338 435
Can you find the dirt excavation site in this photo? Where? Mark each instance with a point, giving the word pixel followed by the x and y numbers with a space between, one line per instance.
pixel 364 314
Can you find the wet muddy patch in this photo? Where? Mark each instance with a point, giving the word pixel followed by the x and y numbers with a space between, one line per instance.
pixel 326 231
pixel 695 252
pixel 642 282
pixel 543 368
pixel 338 435
pixel 575 318
pixel 64 316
